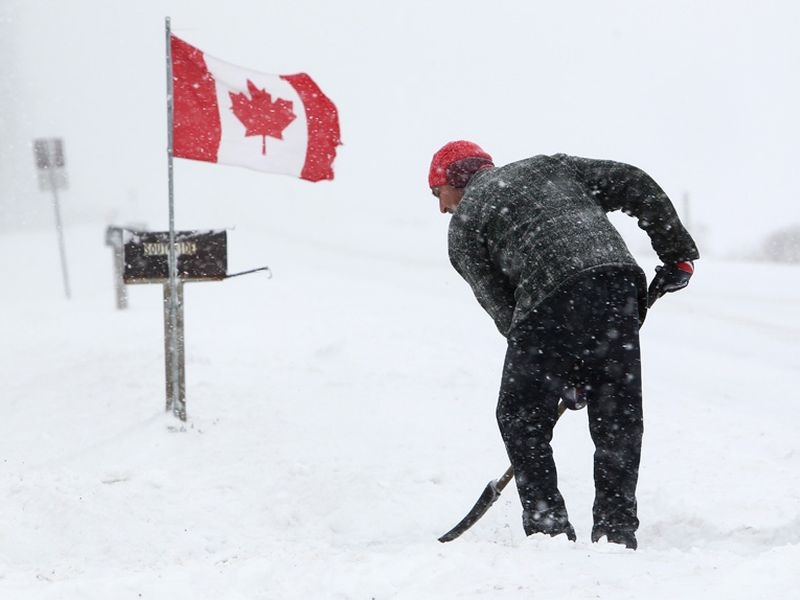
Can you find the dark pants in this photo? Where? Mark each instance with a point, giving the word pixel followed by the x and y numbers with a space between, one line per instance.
pixel 587 335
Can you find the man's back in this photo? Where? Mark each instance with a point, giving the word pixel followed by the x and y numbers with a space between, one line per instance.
pixel 537 221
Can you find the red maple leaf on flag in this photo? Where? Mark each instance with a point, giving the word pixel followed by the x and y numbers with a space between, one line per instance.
pixel 260 115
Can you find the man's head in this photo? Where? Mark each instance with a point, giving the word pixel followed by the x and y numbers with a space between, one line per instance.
pixel 451 169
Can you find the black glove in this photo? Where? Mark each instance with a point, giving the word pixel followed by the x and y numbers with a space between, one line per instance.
pixel 669 278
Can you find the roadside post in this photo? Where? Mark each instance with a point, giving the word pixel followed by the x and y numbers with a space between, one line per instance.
pixel 50 166
pixel 114 239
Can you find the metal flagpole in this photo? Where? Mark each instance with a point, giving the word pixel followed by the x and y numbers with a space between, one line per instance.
pixel 175 399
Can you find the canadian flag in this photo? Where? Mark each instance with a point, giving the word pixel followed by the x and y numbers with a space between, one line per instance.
pixel 227 114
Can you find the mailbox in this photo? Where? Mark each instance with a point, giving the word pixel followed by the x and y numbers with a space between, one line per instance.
pixel 201 256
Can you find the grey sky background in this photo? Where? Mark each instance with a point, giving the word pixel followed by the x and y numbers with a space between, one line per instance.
pixel 702 95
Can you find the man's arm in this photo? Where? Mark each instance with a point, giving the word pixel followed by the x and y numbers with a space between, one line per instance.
pixel 619 186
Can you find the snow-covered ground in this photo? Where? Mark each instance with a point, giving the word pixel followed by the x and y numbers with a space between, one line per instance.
pixel 341 418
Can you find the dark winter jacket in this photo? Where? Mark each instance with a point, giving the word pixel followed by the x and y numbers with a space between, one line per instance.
pixel 523 230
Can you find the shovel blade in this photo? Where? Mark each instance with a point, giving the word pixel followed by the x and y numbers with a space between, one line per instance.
pixel 488 497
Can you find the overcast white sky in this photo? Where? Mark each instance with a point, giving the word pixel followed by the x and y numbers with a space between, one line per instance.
pixel 703 95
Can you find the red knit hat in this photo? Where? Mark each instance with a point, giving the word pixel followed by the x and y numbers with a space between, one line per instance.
pixel 453 154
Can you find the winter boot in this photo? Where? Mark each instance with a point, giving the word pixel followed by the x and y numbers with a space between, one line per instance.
pixel 551 526
pixel 615 536
pixel 570 531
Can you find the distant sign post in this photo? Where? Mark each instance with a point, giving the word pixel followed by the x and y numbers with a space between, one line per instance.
pixel 201 256
pixel 114 239
pixel 50 165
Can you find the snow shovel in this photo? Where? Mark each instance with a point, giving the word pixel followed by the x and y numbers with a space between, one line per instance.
pixel 493 489
pixel 489 496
